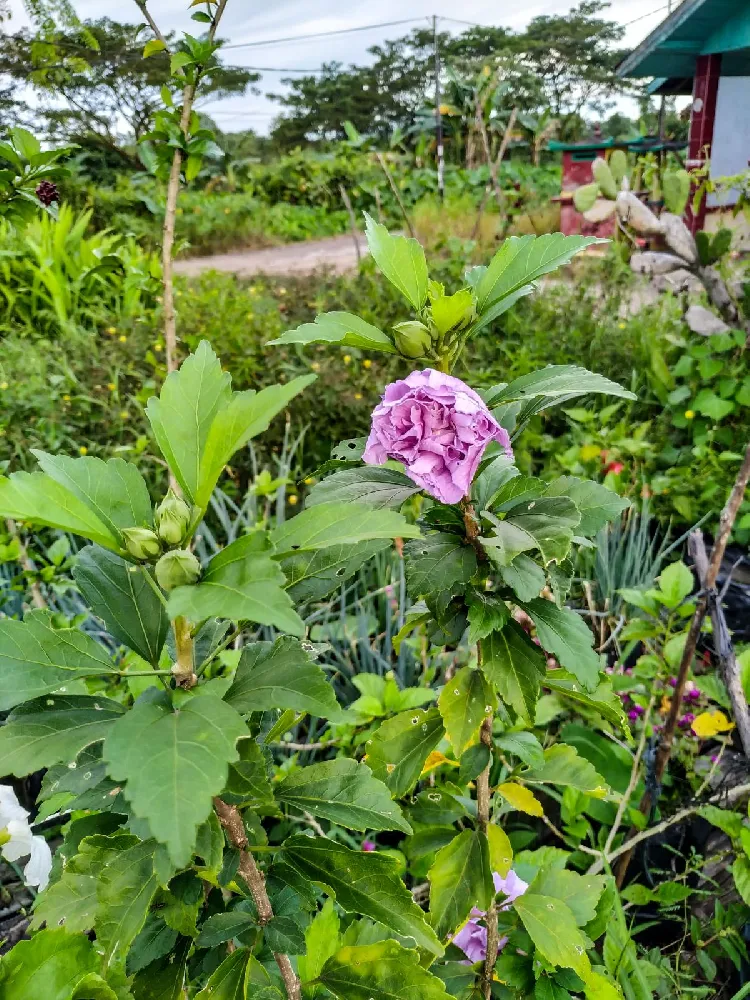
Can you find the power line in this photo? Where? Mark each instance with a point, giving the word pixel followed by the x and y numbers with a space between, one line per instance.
pixel 321 34
pixel 642 17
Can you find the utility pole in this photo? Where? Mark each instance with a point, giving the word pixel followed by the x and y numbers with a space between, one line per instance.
pixel 438 116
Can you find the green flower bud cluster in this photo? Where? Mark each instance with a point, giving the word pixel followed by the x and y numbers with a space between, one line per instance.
pixel 141 543
pixel 172 519
pixel 436 332
pixel 177 568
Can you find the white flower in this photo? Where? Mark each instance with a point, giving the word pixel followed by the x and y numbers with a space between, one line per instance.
pixel 17 840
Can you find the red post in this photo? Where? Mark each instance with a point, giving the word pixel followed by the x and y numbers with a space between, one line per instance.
pixel 705 89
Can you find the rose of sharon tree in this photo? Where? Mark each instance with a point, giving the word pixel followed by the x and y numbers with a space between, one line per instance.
pixel 166 884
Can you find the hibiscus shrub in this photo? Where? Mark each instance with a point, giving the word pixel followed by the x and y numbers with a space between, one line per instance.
pixel 197 859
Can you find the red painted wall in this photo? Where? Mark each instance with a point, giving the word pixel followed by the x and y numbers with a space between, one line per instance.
pixel 705 89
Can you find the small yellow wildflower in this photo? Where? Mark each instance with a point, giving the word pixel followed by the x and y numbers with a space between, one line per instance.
pixel 292 499
pixel 124 414
pixel 111 386
pixel 111 330
pixel 122 338
pixel 158 347
pixel 315 366
pixel 367 363
pixel 347 358
pixel 83 450
pixel 282 291
pixel 589 452
pixel 227 211
pixel 689 414
pixel 3 386
pixel 66 398
pixel 622 325
pixel 309 481
pixel 358 395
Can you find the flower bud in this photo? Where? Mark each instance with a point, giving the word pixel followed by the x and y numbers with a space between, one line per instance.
pixel 177 568
pixel 141 543
pixel 172 518
pixel 413 339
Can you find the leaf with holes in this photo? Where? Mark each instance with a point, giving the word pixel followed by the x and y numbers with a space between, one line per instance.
pixel 550 522
pixel 580 893
pixel 563 766
pixel 397 751
pixel 381 971
pixel 312 576
pixel 551 925
pixel 487 613
pixel 565 635
pixel 515 667
pixel 596 504
pixel 338 524
pixel 345 793
pixel 524 577
pixel 438 564
pixel 460 878
pixel 464 703
pixel 373 486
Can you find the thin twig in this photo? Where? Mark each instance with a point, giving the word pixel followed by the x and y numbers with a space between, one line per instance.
pixel 483 822
pixel 231 821
pixel 396 192
pixel 352 221
pixel 634 775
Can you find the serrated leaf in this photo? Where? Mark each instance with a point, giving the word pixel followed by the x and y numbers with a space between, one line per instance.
pixel 242 582
pixel 153 942
pixel 523 745
pixel 382 971
pixel 174 762
pixel 126 885
pixel 401 260
pixel 396 752
pixel 596 504
pixel 164 980
pixel 36 658
pixel 285 934
pixel 515 667
pixel 114 490
pixel 487 613
pixel 550 522
pixel 439 563
pixel 675 583
pixel 521 798
pixel 460 877
pixel 312 576
pixel 322 940
pixel 517 490
pixel 563 766
pixel 373 486
pixel 36 497
pixel 244 416
pixel 50 965
pixel 341 328
pixel 560 381
pixel 344 792
pixel 580 893
pixel 281 675
pixel 338 524
pixel 741 875
pixel 182 415
pixel 362 882
pixel 726 820
pixel 464 703
pixel 221 927
pixel 565 635
pixel 506 543
pixel 55 728
pixel 524 577
pixel 248 782
pixel 118 593
pixel 603 700
pixel 552 927
pixel 235 976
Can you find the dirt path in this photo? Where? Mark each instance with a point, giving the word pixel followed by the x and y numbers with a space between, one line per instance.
pixel 336 253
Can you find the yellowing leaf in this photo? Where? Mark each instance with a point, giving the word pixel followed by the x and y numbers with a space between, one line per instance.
pixel 436 759
pixel 521 798
pixel 709 724
pixel 589 452
pixel 155 45
pixel 501 852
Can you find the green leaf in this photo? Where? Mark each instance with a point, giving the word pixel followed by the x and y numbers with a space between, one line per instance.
pixel 603 700
pixel 373 486
pixel 182 415
pixel 551 925
pixel 36 658
pixel 362 882
pixel 550 522
pixel 741 875
pixel 153 942
pixel 726 820
pixel 523 745
pixel 126 885
pixel 507 542
pixel 281 675
pixel 248 782
pixel 242 582
pixel 438 564
pixel 338 328
pixel 464 703
pixel 522 260
pixel 114 490
pixel 401 260
pixel 487 613
pixel 285 934
pixel 712 406
pixel 675 583
pixel 580 893
pixel 524 577
pixel 164 980
pixel 313 575
pixel 397 751
pixel 49 966
pixel 338 524
pixel 234 977
pixel 565 635
pixel 119 594
pixel 246 415
pixel 557 381
pixel 36 497
pixel 221 927
pixel 518 490
pixel 596 504
pixel 322 939
pixel 152 46
pixel 382 971
pixel 461 877
pixel 563 766
pixel 174 762
pixel 515 667
pixel 56 728
pixel 345 793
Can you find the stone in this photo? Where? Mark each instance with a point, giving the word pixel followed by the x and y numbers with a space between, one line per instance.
pixel 655 263
pixel 702 321
pixel 678 281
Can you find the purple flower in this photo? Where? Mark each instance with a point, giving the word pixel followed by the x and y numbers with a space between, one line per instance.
pixel 687 720
pixel 438 427
pixel 369 845
pixel 632 715
pixel 472 938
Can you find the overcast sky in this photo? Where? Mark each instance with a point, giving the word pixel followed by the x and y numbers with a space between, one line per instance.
pixel 250 21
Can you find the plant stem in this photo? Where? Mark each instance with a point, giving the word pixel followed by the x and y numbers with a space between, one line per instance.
pixel 483 822
pixel 397 193
pixel 183 669
pixel 230 819
pixel 726 523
